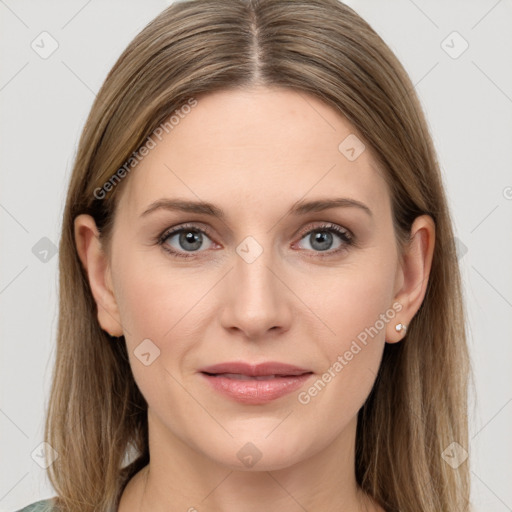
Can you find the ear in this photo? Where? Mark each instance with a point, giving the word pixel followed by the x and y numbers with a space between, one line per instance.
pixel 413 274
pixel 96 265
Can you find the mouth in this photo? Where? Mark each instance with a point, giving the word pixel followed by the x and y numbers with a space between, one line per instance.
pixel 265 369
pixel 255 384
pixel 240 376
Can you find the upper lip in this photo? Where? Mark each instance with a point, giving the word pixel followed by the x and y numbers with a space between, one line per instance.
pixel 255 370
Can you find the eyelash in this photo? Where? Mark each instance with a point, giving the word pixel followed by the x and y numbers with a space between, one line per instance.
pixel 346 236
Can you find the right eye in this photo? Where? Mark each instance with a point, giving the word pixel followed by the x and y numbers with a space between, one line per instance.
pixel 187 239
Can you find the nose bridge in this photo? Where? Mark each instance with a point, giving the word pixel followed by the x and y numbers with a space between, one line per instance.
pixel 252 269
pixel 258 300
pixel 255 282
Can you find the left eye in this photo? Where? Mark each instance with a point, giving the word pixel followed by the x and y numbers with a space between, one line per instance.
pixel 321 239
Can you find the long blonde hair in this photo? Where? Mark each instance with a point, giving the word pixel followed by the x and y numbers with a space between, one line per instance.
pixel 97 417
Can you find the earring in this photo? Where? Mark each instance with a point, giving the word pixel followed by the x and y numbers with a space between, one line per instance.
pixel 401 327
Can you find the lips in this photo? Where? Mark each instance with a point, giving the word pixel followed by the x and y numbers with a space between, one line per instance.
pixel 255 384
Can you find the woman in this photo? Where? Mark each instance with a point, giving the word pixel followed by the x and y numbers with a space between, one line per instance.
pixel 260 301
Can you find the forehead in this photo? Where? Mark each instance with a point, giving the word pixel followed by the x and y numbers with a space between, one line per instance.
pixel 259 148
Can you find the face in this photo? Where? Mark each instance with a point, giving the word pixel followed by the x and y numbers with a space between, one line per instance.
pixel 262 281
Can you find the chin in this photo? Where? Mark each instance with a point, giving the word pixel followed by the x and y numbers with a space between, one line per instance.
pixel 255 453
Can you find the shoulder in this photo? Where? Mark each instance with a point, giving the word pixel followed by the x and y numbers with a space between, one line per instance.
pixel 39 506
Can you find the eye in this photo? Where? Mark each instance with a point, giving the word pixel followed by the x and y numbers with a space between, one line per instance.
pixel 187 239
pixel 322 239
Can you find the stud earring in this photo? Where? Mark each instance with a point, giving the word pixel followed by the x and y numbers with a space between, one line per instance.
pixel 401 327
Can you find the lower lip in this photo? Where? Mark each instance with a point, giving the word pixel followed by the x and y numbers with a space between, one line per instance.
pixel 256 391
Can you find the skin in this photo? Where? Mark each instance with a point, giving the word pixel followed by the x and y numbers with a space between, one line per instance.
pixel 253 153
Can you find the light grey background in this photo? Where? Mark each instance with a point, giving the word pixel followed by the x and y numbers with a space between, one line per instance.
pixel 44 103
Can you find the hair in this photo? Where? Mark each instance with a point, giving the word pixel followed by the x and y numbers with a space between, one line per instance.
pixel 97 417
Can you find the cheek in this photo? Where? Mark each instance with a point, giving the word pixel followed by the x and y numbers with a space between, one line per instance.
pixel 160 303
pixel 350 301
pixel 151 298
pixel 153 306
pixel 354 307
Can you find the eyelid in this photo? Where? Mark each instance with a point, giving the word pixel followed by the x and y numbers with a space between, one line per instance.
pixel 197 226
pixel 327 226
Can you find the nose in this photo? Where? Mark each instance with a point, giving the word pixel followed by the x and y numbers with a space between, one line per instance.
pixel 257 301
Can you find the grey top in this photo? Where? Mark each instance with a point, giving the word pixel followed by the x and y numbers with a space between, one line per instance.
pixel 39 506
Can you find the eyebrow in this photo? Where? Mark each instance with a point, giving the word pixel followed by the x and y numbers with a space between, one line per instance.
pixel 299 208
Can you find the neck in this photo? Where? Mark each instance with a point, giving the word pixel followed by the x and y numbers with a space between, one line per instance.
pixel 185 479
